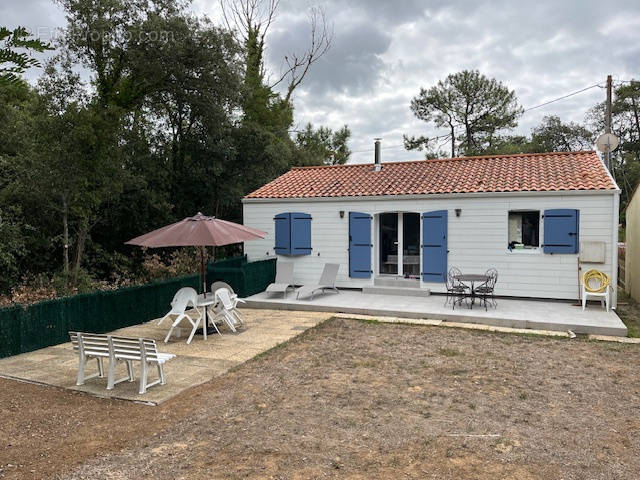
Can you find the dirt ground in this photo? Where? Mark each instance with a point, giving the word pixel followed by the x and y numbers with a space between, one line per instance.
pixel 357 400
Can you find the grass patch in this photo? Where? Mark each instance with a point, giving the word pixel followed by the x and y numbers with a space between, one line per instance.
pixel 629 312
pixel 449 352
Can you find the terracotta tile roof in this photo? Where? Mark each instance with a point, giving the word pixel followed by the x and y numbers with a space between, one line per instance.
pixel 498 173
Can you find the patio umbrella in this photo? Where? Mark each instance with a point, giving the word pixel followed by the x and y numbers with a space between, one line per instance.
pixel 198 231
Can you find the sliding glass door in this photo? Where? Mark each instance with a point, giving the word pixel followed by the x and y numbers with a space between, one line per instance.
pixel 388 243
pixel 411 245
pixel 399 244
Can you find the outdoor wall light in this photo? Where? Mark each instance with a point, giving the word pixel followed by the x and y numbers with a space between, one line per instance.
pixel 458 212
pixel 341 213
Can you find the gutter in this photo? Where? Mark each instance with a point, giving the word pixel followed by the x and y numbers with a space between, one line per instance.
pixel 429 196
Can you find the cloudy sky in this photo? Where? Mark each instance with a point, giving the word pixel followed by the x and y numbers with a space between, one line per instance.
pixel 384 51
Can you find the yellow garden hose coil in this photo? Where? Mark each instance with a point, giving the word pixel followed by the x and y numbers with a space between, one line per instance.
pixel 599 277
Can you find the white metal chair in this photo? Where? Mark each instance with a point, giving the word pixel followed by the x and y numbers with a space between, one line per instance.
pixel 595 283
pixel 228 309
pixel 183 298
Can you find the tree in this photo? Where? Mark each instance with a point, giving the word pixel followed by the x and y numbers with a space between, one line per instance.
pixel 509 144
pixel 100 35
pixel 12 247
pixel 263 146
pixel 251 20
pixel 552 135
pixel 625 160
pixel 13 62
pixel 75 167
pixel 178 116
pixel 193 103
pixel 322 146
pixel 481 107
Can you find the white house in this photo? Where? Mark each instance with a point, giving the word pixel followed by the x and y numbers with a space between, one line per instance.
pixel 404 224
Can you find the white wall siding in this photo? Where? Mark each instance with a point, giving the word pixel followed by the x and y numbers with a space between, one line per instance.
pixel 477 239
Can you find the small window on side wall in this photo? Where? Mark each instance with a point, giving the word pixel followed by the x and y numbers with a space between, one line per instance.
pixel 524 229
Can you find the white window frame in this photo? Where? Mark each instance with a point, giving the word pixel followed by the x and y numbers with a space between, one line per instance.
pixel 527 250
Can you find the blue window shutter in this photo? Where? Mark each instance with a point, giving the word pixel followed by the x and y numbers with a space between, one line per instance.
pixel 359 245
pixel 561 230
pixel 283 233
pixel 300 233
pixel 434 246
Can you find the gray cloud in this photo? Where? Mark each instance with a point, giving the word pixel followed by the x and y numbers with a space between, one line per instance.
pixel 384 51
pixel 352 64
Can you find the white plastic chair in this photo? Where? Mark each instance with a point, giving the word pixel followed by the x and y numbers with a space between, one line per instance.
pixel 183 298
pixel 603 296
pixel 228 310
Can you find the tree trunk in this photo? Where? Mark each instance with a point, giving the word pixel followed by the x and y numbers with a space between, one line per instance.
pixel 81 240
pixel 635 115
pixel 65 236
pixel 453 141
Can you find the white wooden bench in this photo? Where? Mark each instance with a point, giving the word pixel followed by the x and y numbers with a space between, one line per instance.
pixel 119 349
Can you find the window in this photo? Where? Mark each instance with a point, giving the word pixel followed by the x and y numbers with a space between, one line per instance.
pixel 524 230
pixel 293 233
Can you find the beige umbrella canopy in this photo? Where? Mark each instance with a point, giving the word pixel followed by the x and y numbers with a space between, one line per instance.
pixel 198 231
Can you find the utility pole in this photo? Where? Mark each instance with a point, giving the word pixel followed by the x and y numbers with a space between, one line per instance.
pixel 607 120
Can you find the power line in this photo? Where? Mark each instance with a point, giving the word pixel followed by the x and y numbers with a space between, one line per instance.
pixel 439 137
pixel 562 97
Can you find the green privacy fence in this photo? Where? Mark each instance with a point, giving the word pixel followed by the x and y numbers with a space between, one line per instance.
pixel 28 328
pixel 246 278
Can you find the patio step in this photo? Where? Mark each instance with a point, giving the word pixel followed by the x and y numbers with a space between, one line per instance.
pixel 396 282
pixel 403 292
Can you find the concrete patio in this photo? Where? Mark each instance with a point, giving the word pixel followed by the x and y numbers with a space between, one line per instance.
pixel 194 364
pixel 514 313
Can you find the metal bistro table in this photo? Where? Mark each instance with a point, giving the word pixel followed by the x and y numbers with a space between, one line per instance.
pixel 472 278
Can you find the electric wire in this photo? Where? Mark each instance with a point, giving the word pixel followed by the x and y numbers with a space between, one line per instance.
pixel 563 97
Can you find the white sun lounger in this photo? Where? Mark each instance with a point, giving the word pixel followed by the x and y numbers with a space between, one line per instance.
pixel 327 282
pixel 284 279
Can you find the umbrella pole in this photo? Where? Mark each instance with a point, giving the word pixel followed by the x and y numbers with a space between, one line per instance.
pixel 204 272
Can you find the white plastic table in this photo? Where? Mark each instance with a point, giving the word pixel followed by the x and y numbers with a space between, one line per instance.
pixel 206 302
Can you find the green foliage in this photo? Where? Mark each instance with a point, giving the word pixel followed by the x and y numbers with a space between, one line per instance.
pixel 322 146
pixel 625 160
pixel 12 247
pixel 14 62
pixel 177 118
pixel 477 105
pixel 552 135
pixel 102 36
